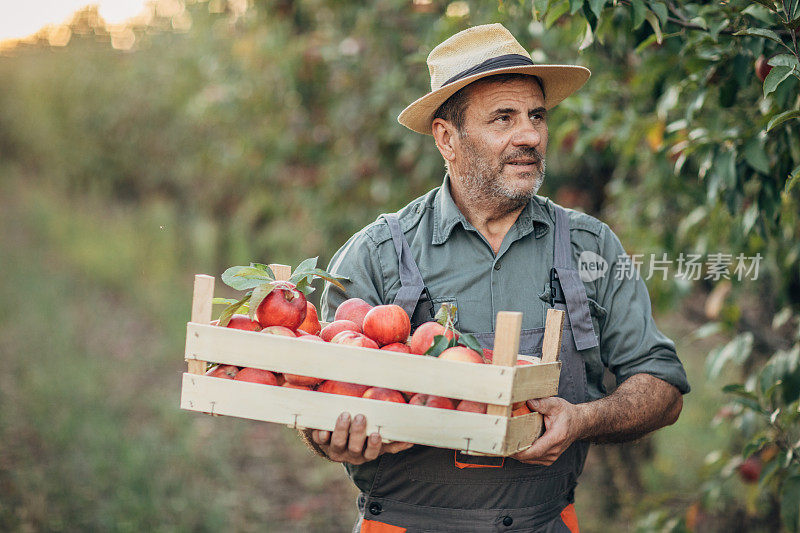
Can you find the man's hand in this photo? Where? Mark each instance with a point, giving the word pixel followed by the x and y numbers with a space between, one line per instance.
pixel 347 443
pixel 641 404
pixel 560 423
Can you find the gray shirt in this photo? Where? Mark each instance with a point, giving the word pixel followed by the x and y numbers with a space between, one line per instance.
pixel 460 267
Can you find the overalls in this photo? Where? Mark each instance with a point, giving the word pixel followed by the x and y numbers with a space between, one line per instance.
pixel 427 489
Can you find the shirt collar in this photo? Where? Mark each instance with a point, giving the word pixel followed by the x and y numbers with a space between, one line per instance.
pixel 447 215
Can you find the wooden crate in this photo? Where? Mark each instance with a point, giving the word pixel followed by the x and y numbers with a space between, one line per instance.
pixel 499 385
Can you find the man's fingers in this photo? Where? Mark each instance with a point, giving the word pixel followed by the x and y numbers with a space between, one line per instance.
pixel 373 449
pixel 321 437
pixel 340 433
pixel 544 406
pixel 358 433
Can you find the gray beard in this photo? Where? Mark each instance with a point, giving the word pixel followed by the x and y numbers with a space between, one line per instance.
pixel 483 185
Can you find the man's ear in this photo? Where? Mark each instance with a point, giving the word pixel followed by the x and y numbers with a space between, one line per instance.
pixel 446 137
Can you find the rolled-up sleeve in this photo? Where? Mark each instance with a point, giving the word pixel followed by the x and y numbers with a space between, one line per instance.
pixel 359 261
pixel 630 342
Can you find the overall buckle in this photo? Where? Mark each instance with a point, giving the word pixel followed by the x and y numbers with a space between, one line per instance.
pixel 556 292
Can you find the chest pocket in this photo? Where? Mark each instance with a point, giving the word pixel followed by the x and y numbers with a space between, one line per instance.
pixel 426 309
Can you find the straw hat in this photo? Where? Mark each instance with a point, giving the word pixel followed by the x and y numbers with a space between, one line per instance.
pixel 483 51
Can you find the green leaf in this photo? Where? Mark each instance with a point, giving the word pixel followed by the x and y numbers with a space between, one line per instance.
pixel 769 4
pixel 259 293
pixel 750 404
pixel 574 6
pixel 469 340
pixel 775 77
pixel 761 32
pixel 755 155
pixel 638 12
pixel 597 7
pixel 790 503
pixel 265 268
pixel 446 315
pixel 784 60
pixel 245 277
pixel 653 21
pixel 555 13
pixel 440 344
pixel 307 265
pixel 660 9
pixel 769 470
pixel 540 8
pixel 794 178
pixel 331 278
pixel 224 301
pixel 736 351
pixel 228 312
pixel 706 330
pixel 754 446
pixel 782 117
pixel 739 390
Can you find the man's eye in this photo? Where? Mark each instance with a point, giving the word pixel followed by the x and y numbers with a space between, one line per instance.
pixel 502 118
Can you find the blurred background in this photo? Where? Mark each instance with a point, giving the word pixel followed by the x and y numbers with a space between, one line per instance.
pixel 136 152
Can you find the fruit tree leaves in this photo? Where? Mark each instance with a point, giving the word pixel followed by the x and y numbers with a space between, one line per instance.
pixel 242 278
pixel 259 293
pixel 440 344
pixel 469 340
pixel 790 503
pixel 775 77
pixel 781 118
pixel 231 310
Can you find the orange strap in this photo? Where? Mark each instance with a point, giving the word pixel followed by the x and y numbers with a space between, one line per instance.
pixel 371 526
pixel 476 464
pixel 570 519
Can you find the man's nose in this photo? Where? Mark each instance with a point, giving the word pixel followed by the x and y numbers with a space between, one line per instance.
pixel 527 135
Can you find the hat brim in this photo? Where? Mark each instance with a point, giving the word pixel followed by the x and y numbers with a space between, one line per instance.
pixel 559 81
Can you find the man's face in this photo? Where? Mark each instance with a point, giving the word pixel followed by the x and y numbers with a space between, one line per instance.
pixel 500 153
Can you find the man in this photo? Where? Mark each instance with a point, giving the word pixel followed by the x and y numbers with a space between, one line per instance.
pixel 487 243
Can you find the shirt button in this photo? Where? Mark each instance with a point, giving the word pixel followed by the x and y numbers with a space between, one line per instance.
pixel 507 521
pixel 497 266
pixel 375 508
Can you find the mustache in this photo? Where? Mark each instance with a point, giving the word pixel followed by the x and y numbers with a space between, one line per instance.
pixel 525 153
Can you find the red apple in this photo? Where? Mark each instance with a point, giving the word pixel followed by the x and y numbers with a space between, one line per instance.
pixel 244 322
pixel 762 68
pixel 397 347
pixel 305 381
pixel 337 326
pixel 278 330
pixel 223 371
pixel 422 339
pixel 256 375
pixel 461 353
pixel 354 310
pixel 283 306
pixel 343 388
pixel 293 386
pixel 386 324
pixel 351 338
pixel 381 393
pixel 471 407
pixel 750 469
pixel 309 337
pixel 430 400
pixel 311 322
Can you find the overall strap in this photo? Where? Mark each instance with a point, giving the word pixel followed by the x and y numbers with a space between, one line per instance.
pixel 574 291
pixel 411 283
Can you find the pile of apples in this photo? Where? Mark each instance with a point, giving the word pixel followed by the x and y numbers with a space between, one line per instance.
pixel 277 307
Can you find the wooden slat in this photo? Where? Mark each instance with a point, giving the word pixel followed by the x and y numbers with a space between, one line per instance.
pixel 398 422
pixel 553 328
pixel 282 272
pixel 201 313
pixel 522 432
pixel 506 348
pixel 535 381
pixel 452 379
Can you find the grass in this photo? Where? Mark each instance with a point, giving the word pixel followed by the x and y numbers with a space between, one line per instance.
pixel 95 299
